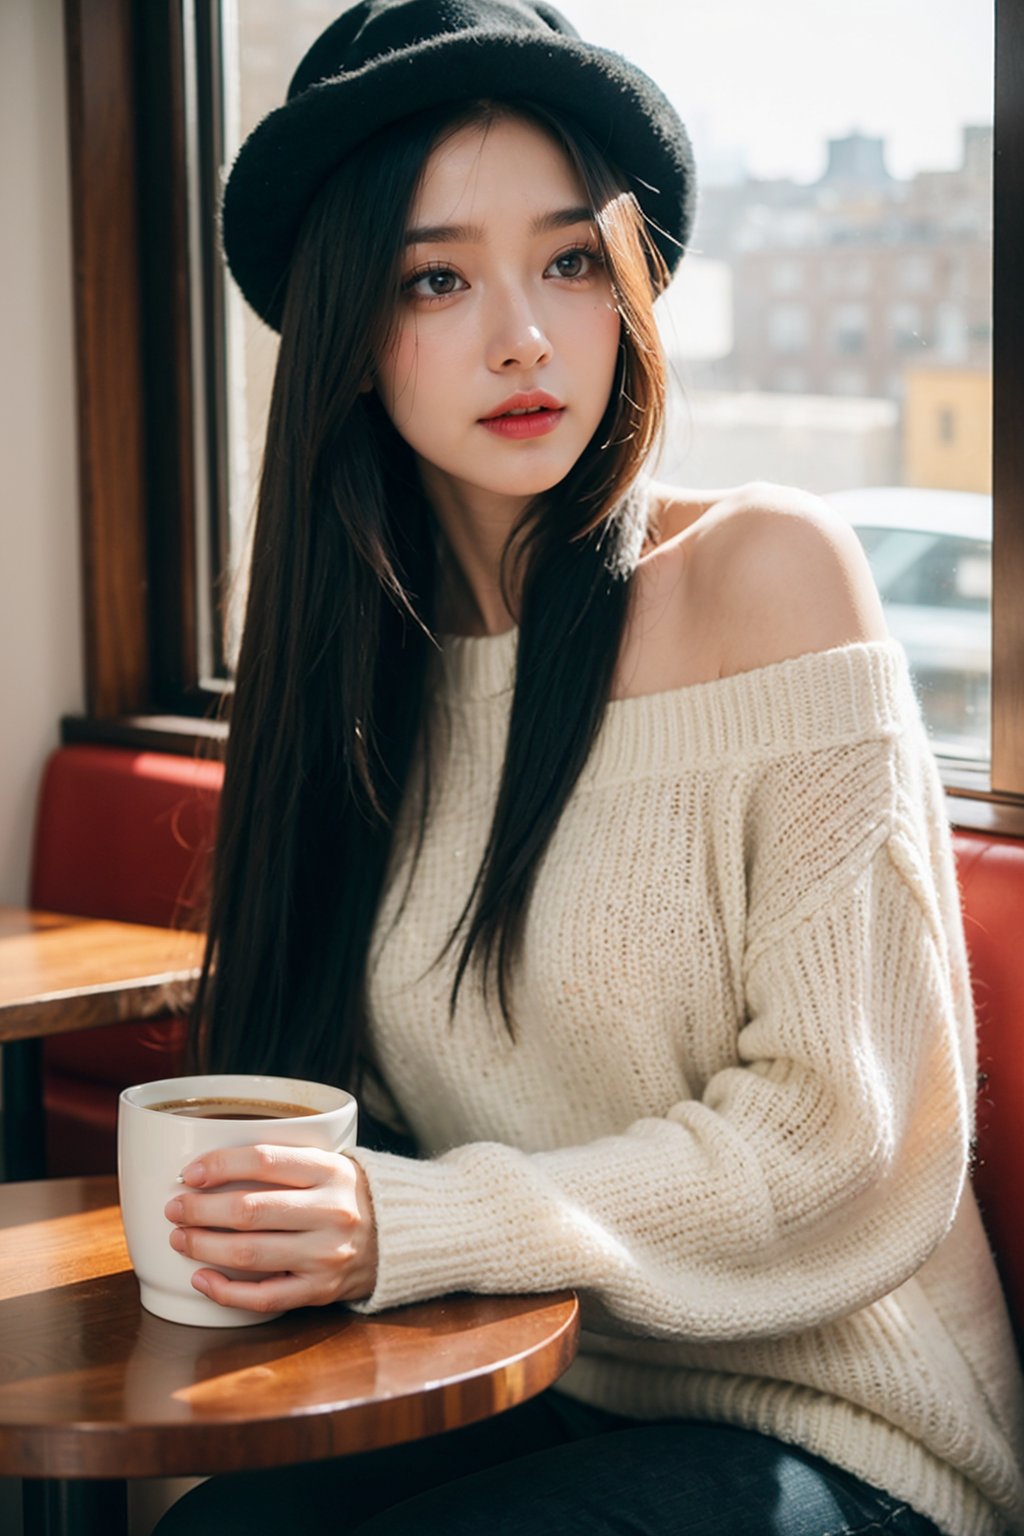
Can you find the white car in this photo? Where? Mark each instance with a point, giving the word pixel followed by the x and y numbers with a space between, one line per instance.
pixel 931 555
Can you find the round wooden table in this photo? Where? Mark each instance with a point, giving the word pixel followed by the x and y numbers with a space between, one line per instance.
pixel 94 1390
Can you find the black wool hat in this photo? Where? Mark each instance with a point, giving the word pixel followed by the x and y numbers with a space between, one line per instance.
pixel 383 60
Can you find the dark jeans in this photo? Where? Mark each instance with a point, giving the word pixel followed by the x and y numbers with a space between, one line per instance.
pixel 554 1466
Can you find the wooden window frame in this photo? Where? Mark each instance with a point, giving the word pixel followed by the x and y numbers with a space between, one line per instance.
pixel 142 462
pixel 137 393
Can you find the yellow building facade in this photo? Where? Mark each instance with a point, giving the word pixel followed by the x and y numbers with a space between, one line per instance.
pixel 947 429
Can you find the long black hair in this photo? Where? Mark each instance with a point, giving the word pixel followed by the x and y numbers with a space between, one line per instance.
pixel 328 713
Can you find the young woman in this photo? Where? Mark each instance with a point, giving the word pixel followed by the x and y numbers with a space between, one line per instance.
pixel 587 828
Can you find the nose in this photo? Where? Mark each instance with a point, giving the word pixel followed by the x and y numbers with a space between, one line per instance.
pixel 516 338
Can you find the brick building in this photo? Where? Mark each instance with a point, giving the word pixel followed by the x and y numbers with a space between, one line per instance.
pixel 841 285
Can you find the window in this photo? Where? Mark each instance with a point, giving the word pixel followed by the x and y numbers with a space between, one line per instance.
pixel 951 340
pixel 905 327
pixel 937 588
pixel 914 274
pixel 850 329
pixel 147 108
pixel 788 328
pixel 891 230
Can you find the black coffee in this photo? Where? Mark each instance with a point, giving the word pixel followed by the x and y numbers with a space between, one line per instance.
pixel 233 1109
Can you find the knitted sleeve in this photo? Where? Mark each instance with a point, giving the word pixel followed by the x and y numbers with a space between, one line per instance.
pixel 811 1176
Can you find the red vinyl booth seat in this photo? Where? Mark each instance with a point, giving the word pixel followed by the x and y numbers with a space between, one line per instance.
pixel 120 834
pixel 991 872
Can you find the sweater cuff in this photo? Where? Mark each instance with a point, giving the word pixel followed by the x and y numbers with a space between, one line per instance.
pixel 414 1259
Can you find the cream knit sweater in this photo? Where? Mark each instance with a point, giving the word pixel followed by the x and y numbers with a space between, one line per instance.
pixel 736 1115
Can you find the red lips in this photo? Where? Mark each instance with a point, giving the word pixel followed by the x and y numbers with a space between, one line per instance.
pixel 529 401
pixel 538 414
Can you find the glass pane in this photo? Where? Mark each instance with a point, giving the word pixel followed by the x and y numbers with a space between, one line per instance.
pixel 831 325
pixel 930 553
pixel 262 42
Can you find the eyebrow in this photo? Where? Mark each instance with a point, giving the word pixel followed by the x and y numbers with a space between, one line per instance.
pixel 470 234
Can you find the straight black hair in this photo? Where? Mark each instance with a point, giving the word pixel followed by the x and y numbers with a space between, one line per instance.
pixel 329 708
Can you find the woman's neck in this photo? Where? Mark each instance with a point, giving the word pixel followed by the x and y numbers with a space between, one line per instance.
pixel 466 607
pixel 471 543
pixel 472 533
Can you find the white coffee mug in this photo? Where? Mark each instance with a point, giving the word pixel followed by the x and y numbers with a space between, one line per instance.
pixel 153 1146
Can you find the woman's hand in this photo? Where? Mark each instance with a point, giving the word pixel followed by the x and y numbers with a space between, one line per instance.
pixel 312 1233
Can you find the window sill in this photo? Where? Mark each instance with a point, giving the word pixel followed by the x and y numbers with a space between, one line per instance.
pixel 971 811
pixel 178 734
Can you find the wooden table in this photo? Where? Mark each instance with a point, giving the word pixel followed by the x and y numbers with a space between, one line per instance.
pixel 60 973
pixel 94 1390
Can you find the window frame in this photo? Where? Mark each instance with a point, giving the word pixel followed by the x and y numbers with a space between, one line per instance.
pixel 143 465
pixel 151 437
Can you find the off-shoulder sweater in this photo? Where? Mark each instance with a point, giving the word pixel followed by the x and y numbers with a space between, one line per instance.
pixel 736 1113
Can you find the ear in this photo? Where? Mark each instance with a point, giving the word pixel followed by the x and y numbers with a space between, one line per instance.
pixel 366 386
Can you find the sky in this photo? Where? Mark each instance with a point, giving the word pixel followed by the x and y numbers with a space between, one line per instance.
pixel 766 82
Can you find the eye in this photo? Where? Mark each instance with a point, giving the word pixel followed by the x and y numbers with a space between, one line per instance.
pixel 577 263
pixel 436 282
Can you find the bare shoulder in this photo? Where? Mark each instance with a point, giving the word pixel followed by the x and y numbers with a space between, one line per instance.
pixel 780 574
pixel 741 578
